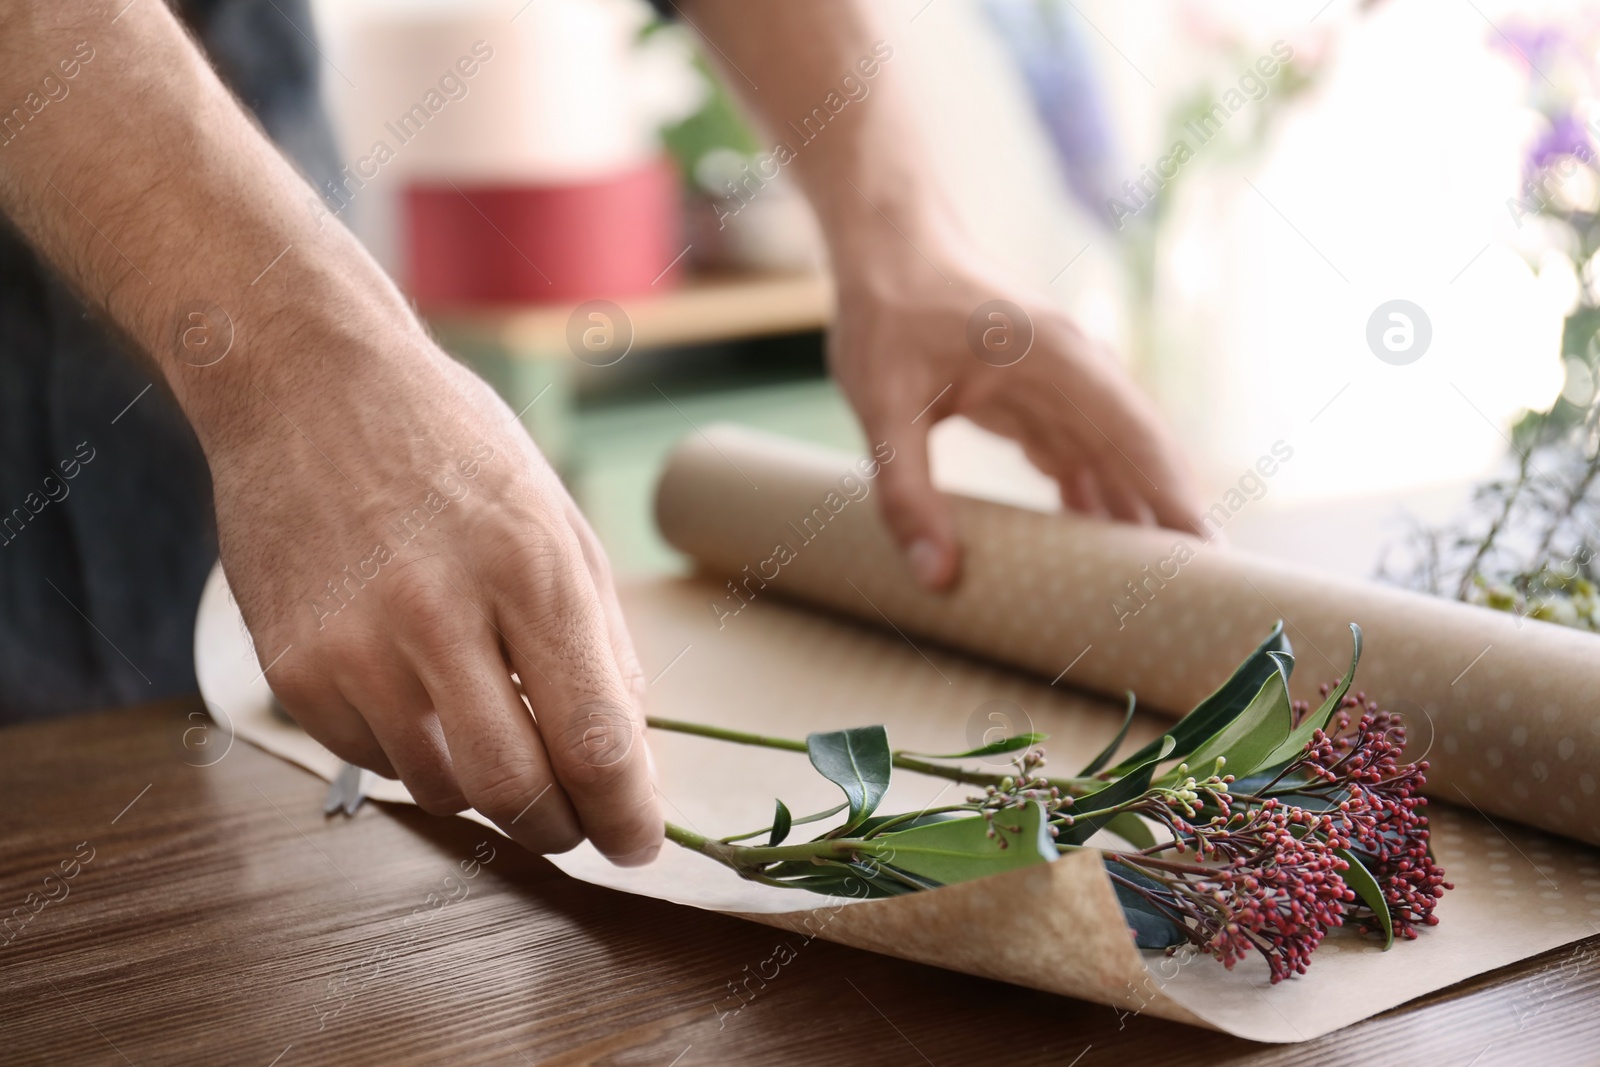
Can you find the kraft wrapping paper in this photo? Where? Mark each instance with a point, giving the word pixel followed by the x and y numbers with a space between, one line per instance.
pixel 1504 708
pixel 1028 599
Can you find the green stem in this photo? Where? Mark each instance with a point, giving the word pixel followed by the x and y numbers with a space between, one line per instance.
pixel 740 857
pixel 906 762
pixel 688 838
pixel 938 770
pixel 1524 460
pixel 722 734
pixel 912 816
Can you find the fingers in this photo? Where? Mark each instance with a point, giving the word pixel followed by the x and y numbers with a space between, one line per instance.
pixel 400 714
pixel 495 751
pixel 1095 419
pixel 627 657
pixel 1101 494
pixel 918 515
pixel 1125 504
pixel 561 644
pixel 1148 461
pixel 329 719
pixel 1081 493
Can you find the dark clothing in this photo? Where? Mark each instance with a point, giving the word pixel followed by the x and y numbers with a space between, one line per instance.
pixel 106 528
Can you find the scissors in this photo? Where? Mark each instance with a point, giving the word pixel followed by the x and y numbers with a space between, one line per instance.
pixel 344 792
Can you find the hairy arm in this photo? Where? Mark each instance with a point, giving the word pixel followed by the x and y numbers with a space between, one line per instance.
pixel 919 335
pixel 397 544
pixel 150 189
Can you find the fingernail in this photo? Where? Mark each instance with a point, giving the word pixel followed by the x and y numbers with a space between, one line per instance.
pixel 638 859
pixel 925 558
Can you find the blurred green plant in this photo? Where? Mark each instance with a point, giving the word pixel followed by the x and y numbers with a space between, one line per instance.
pixel 716 125
pixel 1527 540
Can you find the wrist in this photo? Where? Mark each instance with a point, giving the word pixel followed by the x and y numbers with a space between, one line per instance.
pixel 921 256
pixel 897 245
pixel 296 360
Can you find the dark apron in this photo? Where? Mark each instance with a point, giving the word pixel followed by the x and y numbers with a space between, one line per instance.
pixel 106 527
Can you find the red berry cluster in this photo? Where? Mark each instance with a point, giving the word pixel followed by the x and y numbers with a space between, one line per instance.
pixel 1381 811
pixel 1275 888
pixel 1266 876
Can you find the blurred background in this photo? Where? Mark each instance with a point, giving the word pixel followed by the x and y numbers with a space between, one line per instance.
pixel 1428 151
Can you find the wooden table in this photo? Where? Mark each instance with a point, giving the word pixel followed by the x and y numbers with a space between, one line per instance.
pixel 222 919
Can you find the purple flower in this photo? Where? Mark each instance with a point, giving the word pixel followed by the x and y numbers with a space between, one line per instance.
pixel 1049 52
pixel 1566 136
pixel 1533 46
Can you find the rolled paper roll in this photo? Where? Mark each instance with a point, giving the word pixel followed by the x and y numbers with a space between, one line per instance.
pixel 1503 708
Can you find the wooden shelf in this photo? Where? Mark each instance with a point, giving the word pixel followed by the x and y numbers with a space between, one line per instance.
pixel 703 311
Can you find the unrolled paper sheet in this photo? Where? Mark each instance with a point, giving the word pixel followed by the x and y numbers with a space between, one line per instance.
pixel 1028 591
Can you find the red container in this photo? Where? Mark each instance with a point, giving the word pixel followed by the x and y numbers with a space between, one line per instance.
pixel 471 243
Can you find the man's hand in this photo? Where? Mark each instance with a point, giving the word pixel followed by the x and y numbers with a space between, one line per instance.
pixel 397 544
pixel 392 534
pixel 915 342
pixel 824 77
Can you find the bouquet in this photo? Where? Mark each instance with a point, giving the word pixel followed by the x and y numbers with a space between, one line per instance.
pixel 1254 824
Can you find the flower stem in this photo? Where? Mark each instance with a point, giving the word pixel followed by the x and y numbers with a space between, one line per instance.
pixel 938 770
pixel 741 857
pixel 902 760
pixel 687 838
pixel 722 734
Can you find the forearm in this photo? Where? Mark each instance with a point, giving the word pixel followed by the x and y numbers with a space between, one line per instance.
pixel 824 80
pixel 152 192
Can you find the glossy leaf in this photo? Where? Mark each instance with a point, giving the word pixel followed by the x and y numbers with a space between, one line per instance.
pixel 1221 707
pixel 857 761
pixel 781 822
pixel 1124 789
pixel 839 880
pixel 890 881
pixel 1151 926
pixel 1297 740
pixel 1360 879
pixel 869 825
pixel 959 850
pixel 1255 733
pixel 1132 829
pixel 993 748
pixel 1116 742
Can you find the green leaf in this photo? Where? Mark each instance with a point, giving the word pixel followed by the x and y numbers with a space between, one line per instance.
pixel 959 850
pixel 1254 733
pixel 1152 928
pixel 1220 708
pixel 1297 740
pixel 840 880
pixel 897 879
pixel 1132 829
pixel 818 817
pixel 857 761
pixel 781 822
pixel 993 748
pixel 1128 787
pixel 867 826
pixel 1116 742
pixel 1360 879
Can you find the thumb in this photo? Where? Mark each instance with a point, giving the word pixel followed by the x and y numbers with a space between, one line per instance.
pixel 918 515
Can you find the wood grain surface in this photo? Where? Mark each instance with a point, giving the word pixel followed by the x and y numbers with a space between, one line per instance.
pixel 220 918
